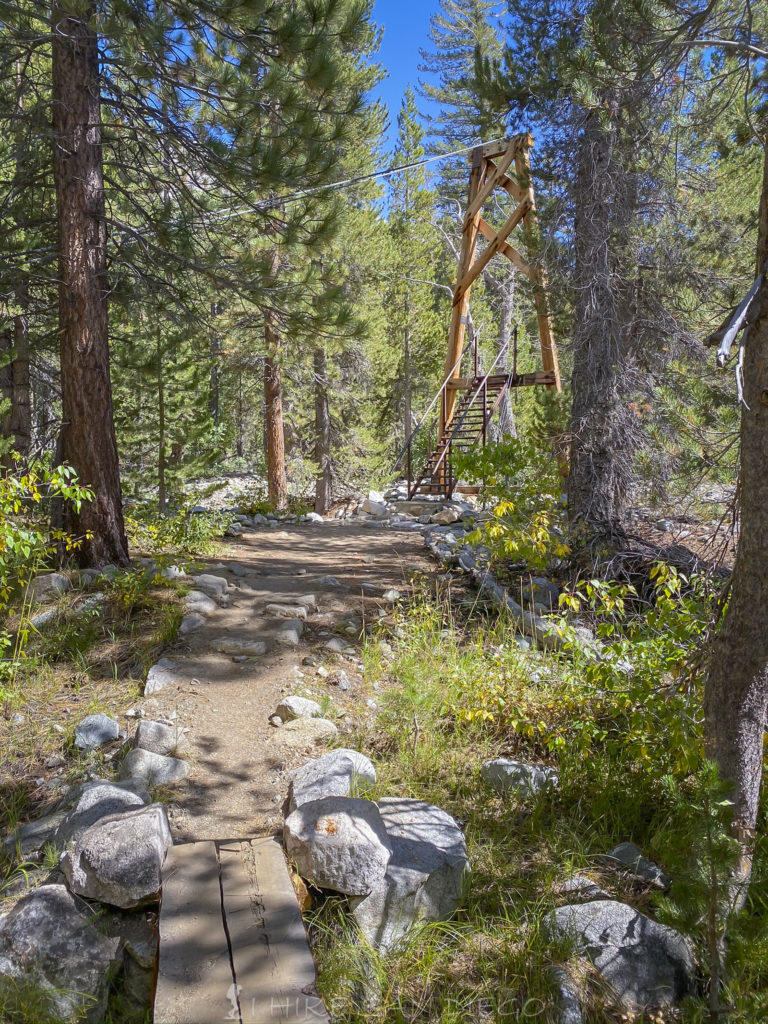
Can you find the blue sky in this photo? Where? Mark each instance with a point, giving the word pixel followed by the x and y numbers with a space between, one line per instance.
pixel 406 24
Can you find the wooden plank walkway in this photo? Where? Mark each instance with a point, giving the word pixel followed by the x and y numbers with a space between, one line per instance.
pixel 232 941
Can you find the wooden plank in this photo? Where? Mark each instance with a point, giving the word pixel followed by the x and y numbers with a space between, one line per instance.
pixel 272 963
pixel 491 182
pixel 493 149
pixel 460 309
pixel 195 984
pixel 505 248
pixel 490 251
pixel 539 280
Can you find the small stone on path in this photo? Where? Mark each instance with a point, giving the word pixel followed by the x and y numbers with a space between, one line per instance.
pixel 239 648
pixel 297 707
pixel 286 611
pixel 197 601
pixel 302 732
pixel 214 586
pixel 191 621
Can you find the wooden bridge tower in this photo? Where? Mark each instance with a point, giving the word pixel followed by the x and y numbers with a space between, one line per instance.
pixel 465 404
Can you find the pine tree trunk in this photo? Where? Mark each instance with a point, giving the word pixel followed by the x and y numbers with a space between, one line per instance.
pixel 324 479
pixel 20 425
pixel 161 491
pixel 600 456
pixel 736 692
pixel 407 385
pixel 277 482
pixel 88 434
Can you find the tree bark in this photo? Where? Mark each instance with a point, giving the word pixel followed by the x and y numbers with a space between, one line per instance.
pixel 736 689
pixel 601 428
pixel 20 424
pixel 88 434
pixel 277 481
pixel 324 479
pixel 161 466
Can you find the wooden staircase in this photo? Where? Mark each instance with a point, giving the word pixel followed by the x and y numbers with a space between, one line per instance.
pixel 469 425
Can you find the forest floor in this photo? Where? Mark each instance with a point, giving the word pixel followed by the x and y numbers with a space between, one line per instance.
pixel 240 760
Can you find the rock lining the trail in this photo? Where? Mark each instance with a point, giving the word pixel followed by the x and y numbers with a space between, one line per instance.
pixel 159 738
pixel 94 801
pixel 50 942
pixel 96 730
pixel 424 880
pixel 119 859
pixel 164 673
pixel 336 773
pixel 239 648
pixel 157 769
pixel 339 843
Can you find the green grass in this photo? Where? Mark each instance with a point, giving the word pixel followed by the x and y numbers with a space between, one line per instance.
pixel 493 961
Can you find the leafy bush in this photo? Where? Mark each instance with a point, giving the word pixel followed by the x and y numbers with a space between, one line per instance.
pixel 182 531
pixel 524 486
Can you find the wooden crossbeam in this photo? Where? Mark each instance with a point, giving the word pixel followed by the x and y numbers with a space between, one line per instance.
pixel 492 180
pixel 490 250
pixel 505 248
pixel 493 149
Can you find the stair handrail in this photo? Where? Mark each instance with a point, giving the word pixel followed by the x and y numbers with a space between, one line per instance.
pixel 431 406
pixel 502 352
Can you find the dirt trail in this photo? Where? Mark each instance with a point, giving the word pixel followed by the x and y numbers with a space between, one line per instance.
pixel 239 760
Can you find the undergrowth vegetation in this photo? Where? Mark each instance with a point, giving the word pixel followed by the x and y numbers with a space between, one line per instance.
pixel 623 729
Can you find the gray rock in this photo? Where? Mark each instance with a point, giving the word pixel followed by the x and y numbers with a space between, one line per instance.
pixel 632 857
pixel 308 601
pixel 338 843
pixel 93 801
pixel 335 644
pixel 197 601
pixel 96 730
pixel 172 572
pixel 301 732
pixel 49 587
pixel 391 596
pixel 524 780
pixel 424 880
pixel 157 769
pixel 239 648
pixel 340 679
pixel 92 603
pixel 286 611
pixel 119 860
pixel 581 887
pixel 160 738
pixel 234 530
pixel 49 941
pixel 290 633
pixel 374 506
pixel 327 581
pixel 297 707
pixel 645 964
pixel 467 560
pixel 445 517
pixel 43 618
pixel 213 586
pixel 164 673
pixel 27 841
pixel 191 621
pixel 336 773
pixel 312 517
pixel 568 997
pixel 541 591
